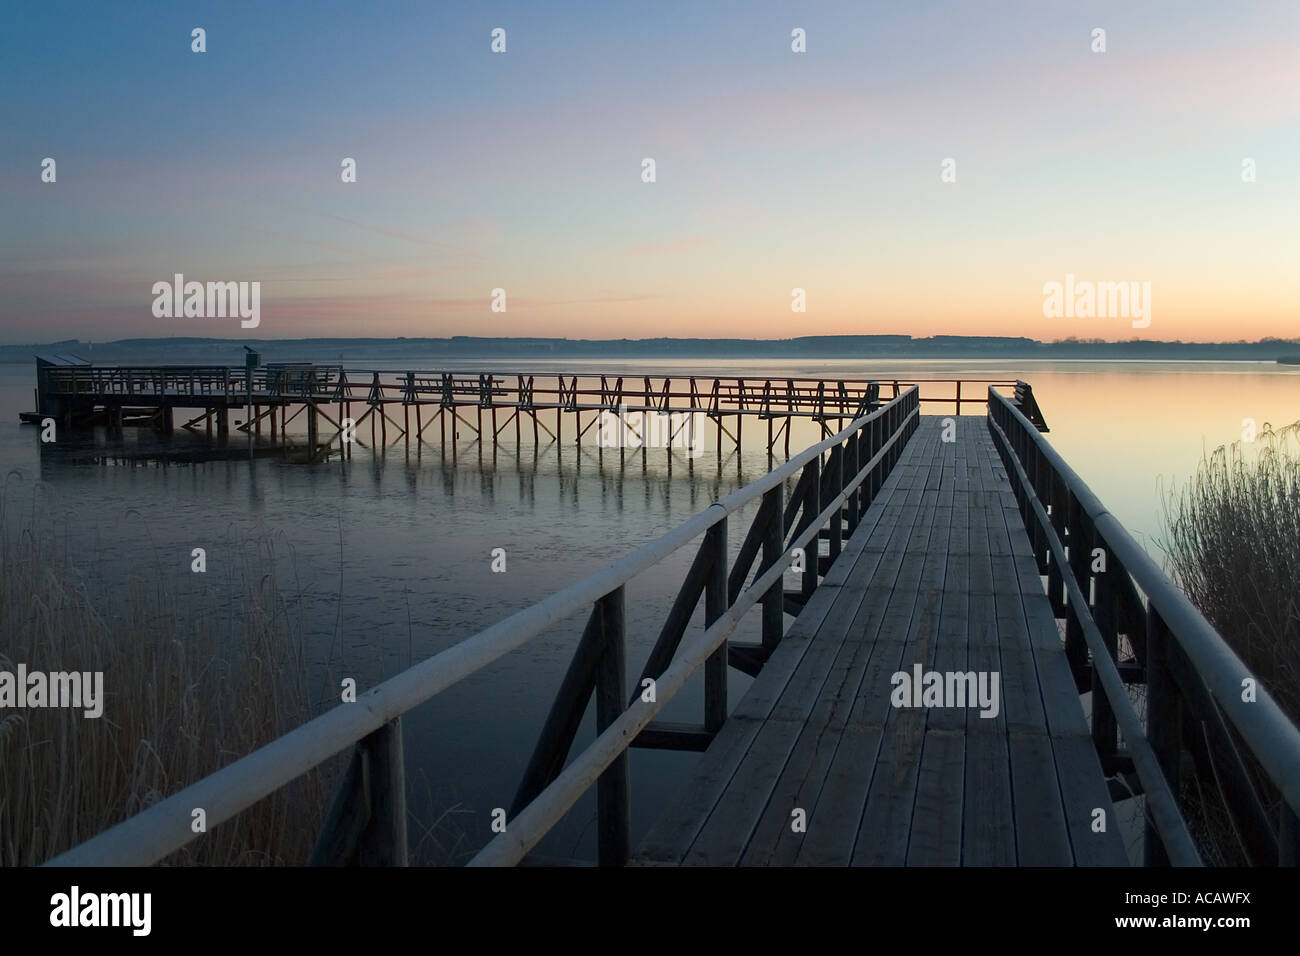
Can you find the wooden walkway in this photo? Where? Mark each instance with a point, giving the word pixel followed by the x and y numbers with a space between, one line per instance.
pixel 939 573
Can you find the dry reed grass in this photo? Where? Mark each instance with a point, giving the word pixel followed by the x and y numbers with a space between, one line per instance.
pixel 188 689
pixel 1234 549
pixel 1233 544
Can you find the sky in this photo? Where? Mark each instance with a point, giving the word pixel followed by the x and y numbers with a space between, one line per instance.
pixel 774 170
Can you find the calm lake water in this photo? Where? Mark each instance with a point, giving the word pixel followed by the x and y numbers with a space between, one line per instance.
pixel 386 556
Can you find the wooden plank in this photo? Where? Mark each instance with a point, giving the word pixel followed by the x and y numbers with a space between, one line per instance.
pixel 938 573
pixel 884 833
pixel 672 835
pixel 741 807
pixel 833 824
pixel 936 827
pixel 1081 784
pixel 936 832
pixel 774 841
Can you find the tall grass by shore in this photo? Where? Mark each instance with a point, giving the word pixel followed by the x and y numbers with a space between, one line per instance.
pixel 187 690
pixel 1233 543
pixel 1234 549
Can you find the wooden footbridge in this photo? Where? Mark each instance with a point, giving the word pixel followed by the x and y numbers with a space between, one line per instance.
pixel 901 547
pixel 484 405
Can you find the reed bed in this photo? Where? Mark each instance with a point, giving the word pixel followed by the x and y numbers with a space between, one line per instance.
pixel 190 684
pixel 1233 546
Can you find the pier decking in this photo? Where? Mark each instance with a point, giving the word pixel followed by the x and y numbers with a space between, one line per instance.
pixel 939 573
pixel 915 543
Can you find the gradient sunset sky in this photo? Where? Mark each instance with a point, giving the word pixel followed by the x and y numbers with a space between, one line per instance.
pixel 775 170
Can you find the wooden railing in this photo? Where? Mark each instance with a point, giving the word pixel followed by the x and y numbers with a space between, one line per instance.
pixel 837 480
pixel 815 398
pixel 315 382
pixel 1111 594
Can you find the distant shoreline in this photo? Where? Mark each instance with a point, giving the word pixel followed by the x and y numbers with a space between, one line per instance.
pixel 831 347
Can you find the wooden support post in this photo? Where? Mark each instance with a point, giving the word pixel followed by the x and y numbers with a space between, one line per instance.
pixel 1164 719
pixel 773 547
pixel 597 665
pixel 715 605
pixel 1076 648
pixel 850 507
pixel 312 427
pixel 366 825
pixel 836 465
pixel 1055 574
pixel 811 508
pixel 1104 725
pixel 877 442
pixel 613 816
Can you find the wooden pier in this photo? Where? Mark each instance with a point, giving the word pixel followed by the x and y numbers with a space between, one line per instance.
pixel 343 405
pixel 961 545
pixel 939 573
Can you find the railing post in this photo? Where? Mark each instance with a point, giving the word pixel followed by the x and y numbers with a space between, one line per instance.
pixel 1104 726
pixel 873 446
pixel 366 825
pixel 851 467
pixel 612 788
pixel 811 508
pixel 773 547
pixel 1076 647
pixel 715 605
pixel 1037 535
pixel 836 466
pixel 1163 723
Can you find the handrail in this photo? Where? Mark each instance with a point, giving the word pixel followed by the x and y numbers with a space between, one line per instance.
pixel 166 826
pixel 1164 806
pixel 1263 726
pixel 553 803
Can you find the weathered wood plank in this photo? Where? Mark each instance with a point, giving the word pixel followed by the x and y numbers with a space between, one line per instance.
pixel 672 835
pixel 940 573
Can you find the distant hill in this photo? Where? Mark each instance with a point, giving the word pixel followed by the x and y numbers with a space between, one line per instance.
pixel 230 351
